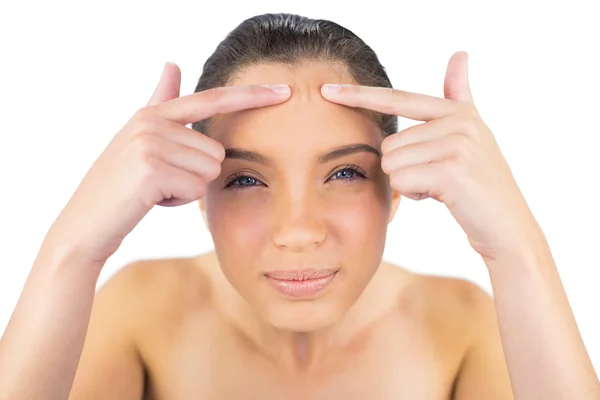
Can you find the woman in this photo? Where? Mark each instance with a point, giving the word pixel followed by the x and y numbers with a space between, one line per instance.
pixel 297 181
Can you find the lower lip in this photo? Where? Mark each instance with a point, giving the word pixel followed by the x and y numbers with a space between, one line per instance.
pixel 301 289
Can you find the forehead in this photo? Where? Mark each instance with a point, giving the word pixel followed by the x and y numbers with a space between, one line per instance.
pixel 305 122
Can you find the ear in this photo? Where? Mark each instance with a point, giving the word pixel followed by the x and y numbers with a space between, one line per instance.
pixel 396 196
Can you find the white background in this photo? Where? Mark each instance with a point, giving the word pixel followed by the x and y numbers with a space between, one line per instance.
pixel 72 73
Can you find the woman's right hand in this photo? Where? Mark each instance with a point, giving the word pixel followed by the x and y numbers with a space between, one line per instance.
pixel 153 159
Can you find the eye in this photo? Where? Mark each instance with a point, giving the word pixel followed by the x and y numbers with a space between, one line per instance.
pixel 240 180
pixel 349 173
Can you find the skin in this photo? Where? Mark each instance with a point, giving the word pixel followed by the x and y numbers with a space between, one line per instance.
pixel 379 331
pixel 208 326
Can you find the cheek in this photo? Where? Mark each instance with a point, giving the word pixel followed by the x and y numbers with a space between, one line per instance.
pixel 358 216
pixel 237 220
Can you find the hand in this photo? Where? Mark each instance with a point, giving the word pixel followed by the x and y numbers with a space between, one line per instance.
pixel 453 158
pixel 153 159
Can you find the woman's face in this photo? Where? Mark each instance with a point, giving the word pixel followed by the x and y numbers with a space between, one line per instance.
pixel 286 201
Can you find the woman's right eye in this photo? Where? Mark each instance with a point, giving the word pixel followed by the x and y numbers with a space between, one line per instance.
pixel 239 181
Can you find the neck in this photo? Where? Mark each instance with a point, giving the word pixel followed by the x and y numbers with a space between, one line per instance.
pixel 301 351
pixel 294 351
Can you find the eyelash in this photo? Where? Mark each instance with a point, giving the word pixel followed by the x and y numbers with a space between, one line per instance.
pixel 359 172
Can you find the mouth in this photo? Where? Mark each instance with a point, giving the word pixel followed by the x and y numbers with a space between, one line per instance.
pixel 300 283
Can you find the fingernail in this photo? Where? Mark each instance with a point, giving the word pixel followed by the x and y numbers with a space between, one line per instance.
pixel 167 65
pixel 279 89
pixel 330 89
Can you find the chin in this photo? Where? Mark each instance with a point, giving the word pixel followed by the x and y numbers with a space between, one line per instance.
pixel 309 316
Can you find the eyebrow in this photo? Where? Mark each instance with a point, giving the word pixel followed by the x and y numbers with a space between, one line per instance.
pixel 338 152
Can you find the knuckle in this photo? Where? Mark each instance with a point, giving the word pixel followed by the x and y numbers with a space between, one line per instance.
pixel 461 145
pixel 150 167
pixel 141 112
pixel 145 112
pixel 397 96
pixel 388 143
pixel 144 121
pixel 467 121
pixel 213 169
pixel 220 152
pixel 398 180
pixel 399 93
pixel 145 146
pixel 453 171
pixel 214 148
pixel 386 164
pixel 214 94
pixel 255 90
pixel 198 188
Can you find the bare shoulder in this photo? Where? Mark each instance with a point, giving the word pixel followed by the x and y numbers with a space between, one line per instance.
pixel 483 371
pixel 442 297
pixel 132 311
pixel 154 298
pixel 454 310
pixel 464 316
pixel 156 287
pixel 455 297
pixel 462 303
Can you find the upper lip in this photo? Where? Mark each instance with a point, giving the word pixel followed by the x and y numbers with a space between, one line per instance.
pixel 300 274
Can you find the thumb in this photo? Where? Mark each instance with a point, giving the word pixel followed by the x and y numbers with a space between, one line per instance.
pixel 456 83
pixel 168 86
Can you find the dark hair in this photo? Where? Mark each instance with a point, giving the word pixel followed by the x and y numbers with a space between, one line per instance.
pixel 289 39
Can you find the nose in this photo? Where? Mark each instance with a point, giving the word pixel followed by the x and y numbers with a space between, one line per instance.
pixel 297 225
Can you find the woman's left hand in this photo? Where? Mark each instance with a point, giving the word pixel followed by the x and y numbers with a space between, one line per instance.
pixel 454 158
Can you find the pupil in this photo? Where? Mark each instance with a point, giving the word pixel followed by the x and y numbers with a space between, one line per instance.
pixel 247 181
pixel 345 172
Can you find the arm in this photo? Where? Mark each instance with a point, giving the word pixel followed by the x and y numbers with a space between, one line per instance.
pixel 483 373
pixel 111 366
pixel 545 354
pixel 48 341
pixel 43 340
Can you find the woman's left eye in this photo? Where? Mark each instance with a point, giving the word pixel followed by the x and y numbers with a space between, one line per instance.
pixel 349 173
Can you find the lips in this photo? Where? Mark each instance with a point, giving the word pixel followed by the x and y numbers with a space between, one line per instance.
pixel 300 275
pixel 300 283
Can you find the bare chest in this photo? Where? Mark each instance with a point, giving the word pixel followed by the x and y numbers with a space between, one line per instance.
pixel 203 365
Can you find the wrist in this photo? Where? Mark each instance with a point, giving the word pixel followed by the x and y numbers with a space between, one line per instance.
pixel 529 253
pixel 58 258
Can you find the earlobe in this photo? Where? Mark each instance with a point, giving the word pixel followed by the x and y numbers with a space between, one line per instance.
pixel 395 203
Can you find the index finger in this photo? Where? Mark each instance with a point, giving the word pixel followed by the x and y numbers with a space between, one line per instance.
pixel 208 103
pixel 411 105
